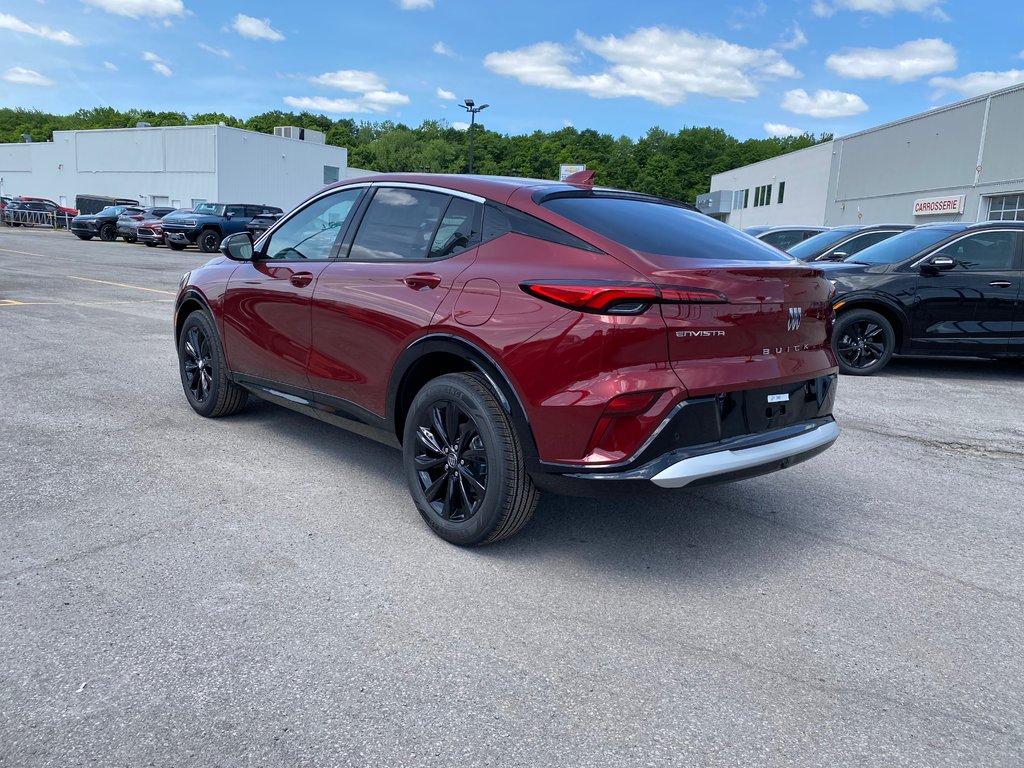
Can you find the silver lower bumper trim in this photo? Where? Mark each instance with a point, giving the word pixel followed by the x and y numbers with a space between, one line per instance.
pixel 723 462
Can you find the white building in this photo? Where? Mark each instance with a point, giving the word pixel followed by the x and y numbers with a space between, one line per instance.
pixel 177 166
pixel 962 162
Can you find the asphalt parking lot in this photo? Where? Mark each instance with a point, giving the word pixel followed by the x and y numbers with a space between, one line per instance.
pixel 260 590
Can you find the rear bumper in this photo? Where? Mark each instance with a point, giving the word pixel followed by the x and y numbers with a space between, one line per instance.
pixel 746 462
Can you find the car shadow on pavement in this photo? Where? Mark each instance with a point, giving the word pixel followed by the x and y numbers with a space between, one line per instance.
pixel 1009 370
pixel 750 525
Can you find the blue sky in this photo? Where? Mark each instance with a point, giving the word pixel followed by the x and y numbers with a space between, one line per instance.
pixel 753 68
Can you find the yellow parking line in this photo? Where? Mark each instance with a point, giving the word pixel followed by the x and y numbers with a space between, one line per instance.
pixel 25 253
pixel 13 303
pixel 123 285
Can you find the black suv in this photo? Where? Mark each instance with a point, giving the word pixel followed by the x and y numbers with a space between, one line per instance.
pixel 209 223
pixel 842 242
pixel 940 289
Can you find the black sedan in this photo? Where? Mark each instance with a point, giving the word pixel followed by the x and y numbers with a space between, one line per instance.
pixel 102 225
pixel 939 289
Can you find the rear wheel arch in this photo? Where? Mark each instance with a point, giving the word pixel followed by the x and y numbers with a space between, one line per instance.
pixel 435 356
pixel 897 319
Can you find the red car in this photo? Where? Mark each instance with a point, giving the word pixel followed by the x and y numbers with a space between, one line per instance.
pixel 514 335
pixel 60 209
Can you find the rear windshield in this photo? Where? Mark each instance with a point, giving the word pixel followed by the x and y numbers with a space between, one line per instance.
pixel 657 228
pixel 812 246
pixel 901 246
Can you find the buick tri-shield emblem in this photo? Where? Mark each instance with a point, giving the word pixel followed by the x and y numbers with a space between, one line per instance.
pixel 794 318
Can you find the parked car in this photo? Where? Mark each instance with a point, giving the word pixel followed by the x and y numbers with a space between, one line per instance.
pixel 757 229
pixel 102 224
pixel 513 335
pixel 22 212
pixel 208 224
pixel 264 221
pixel 785 238
pixel 151 231
pixel 129 220
pixel 839 243
pixel 96 203
pixel 68 213
pixel 940 289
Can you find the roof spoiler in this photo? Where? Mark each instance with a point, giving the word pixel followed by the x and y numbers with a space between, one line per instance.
pixel 581 177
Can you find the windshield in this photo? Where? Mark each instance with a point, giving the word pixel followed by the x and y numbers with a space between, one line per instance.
pixel 211 209
pixel 812 246
pixel 659 228
pixel 901 246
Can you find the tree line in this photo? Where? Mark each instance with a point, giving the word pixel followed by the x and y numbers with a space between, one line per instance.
pixel 677 165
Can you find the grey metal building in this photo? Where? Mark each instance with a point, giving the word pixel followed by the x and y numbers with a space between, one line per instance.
pixel 962 162
pixel 176 166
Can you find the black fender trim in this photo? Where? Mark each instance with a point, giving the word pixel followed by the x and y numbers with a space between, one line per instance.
pixel 483 364
pixel 192 295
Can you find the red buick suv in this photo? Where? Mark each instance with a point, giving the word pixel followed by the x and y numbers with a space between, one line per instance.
pixel 515 335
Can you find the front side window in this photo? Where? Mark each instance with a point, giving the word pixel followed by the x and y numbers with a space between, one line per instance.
pixel 859 243
pixel 984 252
pixel 399 224
pixel 314 233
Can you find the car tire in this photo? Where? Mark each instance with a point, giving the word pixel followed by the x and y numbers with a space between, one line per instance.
pixel 203 371
pixel 863 342
pixel 176 246
pixel 209 241
pixel 83 237
pixel 464 463
pixel 108 233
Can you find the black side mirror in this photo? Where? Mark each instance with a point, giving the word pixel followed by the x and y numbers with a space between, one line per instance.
pixel 938 262
pixel 237 247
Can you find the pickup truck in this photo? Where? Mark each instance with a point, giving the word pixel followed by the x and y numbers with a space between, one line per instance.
pixel 208 224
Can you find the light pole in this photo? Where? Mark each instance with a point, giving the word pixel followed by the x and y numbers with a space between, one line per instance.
pixel 470 106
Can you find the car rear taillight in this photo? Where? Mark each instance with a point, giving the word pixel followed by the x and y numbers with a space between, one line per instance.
pixel 616 298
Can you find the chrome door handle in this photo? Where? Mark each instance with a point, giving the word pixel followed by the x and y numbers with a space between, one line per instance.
pixel 1000 283
pixel 301 279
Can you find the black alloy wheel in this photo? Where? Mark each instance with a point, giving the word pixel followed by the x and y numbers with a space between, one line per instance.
pixel 108 232
pixel 464 464
pixel 203 374
pixel 209 241
pixel 863 341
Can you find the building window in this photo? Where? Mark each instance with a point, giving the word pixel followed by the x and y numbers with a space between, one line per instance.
pixel 331 174
pixel 746 198
pixel 763 195
pixel 737 199
pixel 1006 208
pixel 782 191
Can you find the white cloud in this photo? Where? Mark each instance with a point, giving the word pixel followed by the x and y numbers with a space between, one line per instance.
pixel 442 50
pixel 658 64
pixel 797 39
pixel 416 5
pixel 22 76
pixel 977 83
pixel 159 65
pixel 377 101
pixel 15 24
pixel 882 7
pixel 901 64
pixel 353 80
pixel 447 95
pixel 567 124
pixel 110 66
pixel 137 9
pixel 255 29
pixel 224 54
pixel 823 103
pixel 780 131
pixel 458 125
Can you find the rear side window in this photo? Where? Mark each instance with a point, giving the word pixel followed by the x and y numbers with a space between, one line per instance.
pixel 399 224
pixel 658 228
